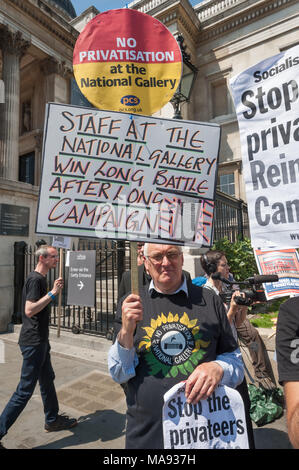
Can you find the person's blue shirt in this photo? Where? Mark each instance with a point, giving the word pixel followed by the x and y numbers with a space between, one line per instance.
pixel 199 281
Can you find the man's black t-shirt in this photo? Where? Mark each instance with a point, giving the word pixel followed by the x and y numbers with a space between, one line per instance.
pixel 35 329
pixel 177 333
pixel 287 341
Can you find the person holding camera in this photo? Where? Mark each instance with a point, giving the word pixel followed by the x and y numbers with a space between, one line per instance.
pixel 246 332
pixel 215 265
pixel 236 314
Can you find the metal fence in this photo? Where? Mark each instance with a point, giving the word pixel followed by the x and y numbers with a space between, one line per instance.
pixel 112 259
pixel 230 218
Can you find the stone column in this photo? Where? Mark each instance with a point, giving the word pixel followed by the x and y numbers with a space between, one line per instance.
pixel 57 74
pixel 38 156
pixel 13 47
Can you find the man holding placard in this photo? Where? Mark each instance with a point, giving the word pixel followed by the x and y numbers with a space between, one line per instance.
pixel 35 347
pixel 172 331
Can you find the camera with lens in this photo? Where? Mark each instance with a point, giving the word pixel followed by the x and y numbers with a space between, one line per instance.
pixel 256 294
pixel 253 291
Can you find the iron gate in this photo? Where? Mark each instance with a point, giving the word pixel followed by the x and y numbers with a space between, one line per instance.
pixel 112 259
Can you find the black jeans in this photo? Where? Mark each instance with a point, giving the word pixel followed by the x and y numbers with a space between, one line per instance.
pixel 36 367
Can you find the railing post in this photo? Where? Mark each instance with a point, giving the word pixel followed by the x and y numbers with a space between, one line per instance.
pixel 19 278
pixel 230 217
pixel 121 247
pixel 240 220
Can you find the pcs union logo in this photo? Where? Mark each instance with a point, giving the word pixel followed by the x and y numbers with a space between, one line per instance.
pixel 173 345
pixel 130 100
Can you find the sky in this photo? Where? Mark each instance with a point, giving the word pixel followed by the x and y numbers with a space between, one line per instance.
pixel 103 5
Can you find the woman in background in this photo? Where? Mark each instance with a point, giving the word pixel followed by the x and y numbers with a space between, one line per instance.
pixel 214 261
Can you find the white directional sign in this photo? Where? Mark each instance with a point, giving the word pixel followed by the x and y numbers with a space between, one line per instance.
pixel 81 280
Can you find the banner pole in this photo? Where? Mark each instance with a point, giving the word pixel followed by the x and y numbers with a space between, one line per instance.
pixel 134 269
pixel 60 293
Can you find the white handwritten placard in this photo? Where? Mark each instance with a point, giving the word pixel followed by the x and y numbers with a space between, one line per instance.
pixel 125 176
pixel 215 423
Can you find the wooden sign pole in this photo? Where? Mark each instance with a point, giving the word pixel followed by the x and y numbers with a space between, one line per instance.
pixel 60 292
pixel 134 269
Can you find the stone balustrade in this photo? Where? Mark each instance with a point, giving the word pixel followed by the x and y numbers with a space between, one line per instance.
pixel 145 5
pixel 209 8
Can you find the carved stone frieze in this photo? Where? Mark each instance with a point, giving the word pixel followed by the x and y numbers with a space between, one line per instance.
pixel 216 21
pixel 49 19
pixel 52 65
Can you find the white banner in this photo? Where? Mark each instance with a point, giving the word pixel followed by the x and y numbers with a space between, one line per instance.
pixel 267 106
pixel 62 242
pixel 216 423
pixel 125 176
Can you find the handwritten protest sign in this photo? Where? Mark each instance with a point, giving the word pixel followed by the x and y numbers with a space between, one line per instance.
pixel 125 176
pixel 267 105
pixel 125 60
pixel 284 263
pixel 215 423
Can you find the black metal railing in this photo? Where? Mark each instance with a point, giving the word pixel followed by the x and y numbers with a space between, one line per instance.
pixel 230 218
pixel 112 259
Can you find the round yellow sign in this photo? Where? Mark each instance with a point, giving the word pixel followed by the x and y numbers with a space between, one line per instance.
pixel 127 61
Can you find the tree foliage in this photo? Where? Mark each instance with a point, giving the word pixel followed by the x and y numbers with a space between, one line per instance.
pixel 240 257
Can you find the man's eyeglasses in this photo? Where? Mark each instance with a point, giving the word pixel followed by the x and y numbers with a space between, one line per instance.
pixel 172 256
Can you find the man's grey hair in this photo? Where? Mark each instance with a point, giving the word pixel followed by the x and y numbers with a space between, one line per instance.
pixel 42 250
pixel 146 246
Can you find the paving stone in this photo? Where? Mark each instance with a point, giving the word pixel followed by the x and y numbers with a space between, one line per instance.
pixel 62 396
pixel 96 377
pixel 101 417
pixel 94 406
pixel 78 386
pixel 112 396
pixel 76 402
pixel 91 393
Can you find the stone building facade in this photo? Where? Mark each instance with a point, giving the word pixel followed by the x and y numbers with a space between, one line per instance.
pixel 36 43
pixel 37 38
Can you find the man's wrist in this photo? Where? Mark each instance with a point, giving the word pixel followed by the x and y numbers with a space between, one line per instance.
pixel 125 339
pixel 50 294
